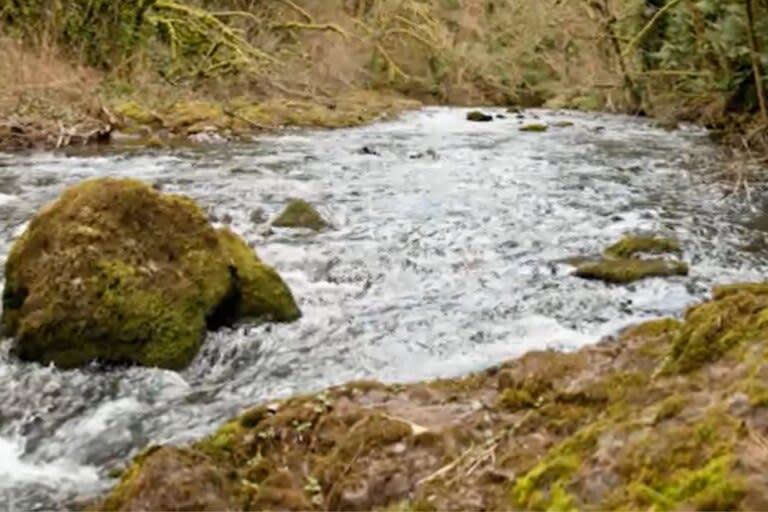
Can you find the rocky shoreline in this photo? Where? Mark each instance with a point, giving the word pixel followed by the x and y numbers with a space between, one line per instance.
pixel 668 415
pixel 131 123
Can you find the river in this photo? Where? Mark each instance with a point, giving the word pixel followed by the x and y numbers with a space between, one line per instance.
pixel 445 257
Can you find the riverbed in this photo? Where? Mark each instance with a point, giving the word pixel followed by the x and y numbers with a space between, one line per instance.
pixel 445 256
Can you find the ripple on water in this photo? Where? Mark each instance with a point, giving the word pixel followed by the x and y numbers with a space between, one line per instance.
pixel 444 258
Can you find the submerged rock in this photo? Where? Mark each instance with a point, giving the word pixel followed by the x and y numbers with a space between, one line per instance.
pixel 300 214
pixel 115 271
pixel 626 270
pixel 479 117
pixel 368 150
pixel 645 421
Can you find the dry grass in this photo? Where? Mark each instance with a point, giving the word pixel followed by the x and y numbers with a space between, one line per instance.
pixel 39 82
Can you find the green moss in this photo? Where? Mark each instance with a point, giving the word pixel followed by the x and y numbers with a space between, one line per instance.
pixel 653 328
pixel 610 389
pixel 134 113
pixel 758 396
pixel 191 116
pixel 114 271
pixel 534 127
pixel 300 214
pixel 479 117
pixel 713 486
pixel 670 407
pixel 589 102
pixel 263 293
pixel 192 480
pixel 711 329
pixel 723 291
pixel 630 246
pixel 512 400
pixel 542 487
pixel 622 271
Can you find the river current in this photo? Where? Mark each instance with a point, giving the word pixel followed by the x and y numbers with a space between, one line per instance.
pixel 445 257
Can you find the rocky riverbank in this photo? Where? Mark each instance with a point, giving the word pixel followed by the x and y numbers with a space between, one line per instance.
pixel 154 124
pixel 670 414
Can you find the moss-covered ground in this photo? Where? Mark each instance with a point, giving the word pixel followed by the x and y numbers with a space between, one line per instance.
pixel 669 415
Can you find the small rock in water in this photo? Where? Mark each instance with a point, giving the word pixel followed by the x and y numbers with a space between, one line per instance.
pixel 479 117
pixel 368 150
pixel 500 116
pixel 258 216
pixel 533 127
pixel 562 124
pixel 430 153
pixel 300 214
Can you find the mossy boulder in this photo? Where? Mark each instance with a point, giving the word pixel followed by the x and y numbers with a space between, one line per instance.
pixel 114 271
pixel 479 117
pixel 626 270
pixel 300 214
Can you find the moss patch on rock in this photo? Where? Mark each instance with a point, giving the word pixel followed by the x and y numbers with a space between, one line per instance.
pixel 534 127
pixel 300 214
pixel 263 293
pixel 625 270
pixel 114 271
pixel 134 114
pixel 711 329
pixel 631 246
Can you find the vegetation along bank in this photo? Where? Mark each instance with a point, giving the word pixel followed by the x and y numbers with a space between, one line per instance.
pixel 150 70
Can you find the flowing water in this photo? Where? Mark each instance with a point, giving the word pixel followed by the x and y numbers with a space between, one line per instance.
pixel 445 258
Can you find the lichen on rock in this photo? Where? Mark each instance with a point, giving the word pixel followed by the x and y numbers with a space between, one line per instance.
pixel 300 214
pixel 116 272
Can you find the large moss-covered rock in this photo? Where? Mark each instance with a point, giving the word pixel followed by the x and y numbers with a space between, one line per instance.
pixel 117 272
